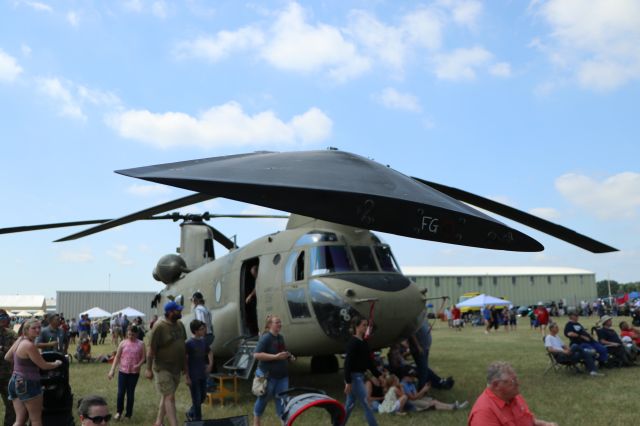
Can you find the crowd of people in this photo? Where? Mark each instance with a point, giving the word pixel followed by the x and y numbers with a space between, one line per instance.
pixel 396 384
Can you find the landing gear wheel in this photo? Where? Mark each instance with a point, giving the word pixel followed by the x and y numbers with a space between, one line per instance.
pixel 324 364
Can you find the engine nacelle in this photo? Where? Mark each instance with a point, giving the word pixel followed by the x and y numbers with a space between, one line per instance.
pixel 169 268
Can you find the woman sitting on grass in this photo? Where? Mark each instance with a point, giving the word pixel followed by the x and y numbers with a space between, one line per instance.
pixel 419 401
pixel 394 397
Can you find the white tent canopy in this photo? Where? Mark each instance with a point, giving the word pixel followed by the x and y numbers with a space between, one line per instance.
pixel 481 301
pixel 129 312
pixel 23 314
pixel 96 313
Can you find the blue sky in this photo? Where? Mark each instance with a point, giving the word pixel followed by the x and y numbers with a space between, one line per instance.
pixel 534 104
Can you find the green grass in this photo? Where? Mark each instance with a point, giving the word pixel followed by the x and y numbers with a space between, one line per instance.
pixel 564 397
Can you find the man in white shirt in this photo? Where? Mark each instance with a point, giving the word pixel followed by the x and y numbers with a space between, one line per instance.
pixel 202 313
pixel 563 353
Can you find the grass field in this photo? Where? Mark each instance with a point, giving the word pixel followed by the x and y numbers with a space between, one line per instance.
pixel 564 397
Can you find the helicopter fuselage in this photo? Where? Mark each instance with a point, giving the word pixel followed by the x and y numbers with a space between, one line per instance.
pixel 315 276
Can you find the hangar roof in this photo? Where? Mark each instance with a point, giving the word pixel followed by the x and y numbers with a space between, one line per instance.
pixel 476 271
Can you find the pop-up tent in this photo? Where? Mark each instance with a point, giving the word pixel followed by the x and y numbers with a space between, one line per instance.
pixel 129 312
pixel 483 300
pixel 96 313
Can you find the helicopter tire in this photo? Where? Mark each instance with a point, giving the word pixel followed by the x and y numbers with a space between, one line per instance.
pixel 324 364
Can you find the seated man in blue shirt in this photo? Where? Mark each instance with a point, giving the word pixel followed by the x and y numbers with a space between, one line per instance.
pixel 577 335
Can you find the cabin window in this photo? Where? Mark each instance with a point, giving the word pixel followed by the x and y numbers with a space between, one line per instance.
pixel 328 259
pixel 297 301
pixel 364 258
pixel 294 269
pixel 386 259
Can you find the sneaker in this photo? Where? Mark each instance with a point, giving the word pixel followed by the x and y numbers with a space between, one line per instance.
pixel 117 417
pixel 188 416
pixel 460 405
pixel 596 374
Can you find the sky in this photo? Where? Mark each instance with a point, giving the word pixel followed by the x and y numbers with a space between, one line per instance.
pixel 533 104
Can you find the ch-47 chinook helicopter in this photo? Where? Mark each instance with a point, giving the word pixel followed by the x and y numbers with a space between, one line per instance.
pixel 327 265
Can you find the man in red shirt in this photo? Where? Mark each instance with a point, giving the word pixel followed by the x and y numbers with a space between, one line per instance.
pixel 501 403
pixel 542 315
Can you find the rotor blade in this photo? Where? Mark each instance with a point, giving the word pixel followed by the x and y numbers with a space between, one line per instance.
pixel 222 239
pixel 142 214
pixel 344 188
pixel 527 219
pixel 50 226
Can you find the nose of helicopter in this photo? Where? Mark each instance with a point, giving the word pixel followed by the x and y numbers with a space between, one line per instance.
pixel 393 301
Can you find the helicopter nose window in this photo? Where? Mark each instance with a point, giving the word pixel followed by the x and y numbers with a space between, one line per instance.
pixel 364 258
pixel 297 302
pixel 327 259
pixel 333 314
pixel 386 259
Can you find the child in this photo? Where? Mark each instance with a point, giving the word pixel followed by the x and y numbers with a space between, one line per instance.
pixel 197 368
pixel 83 352
pixel 130 356
pixel 418 401
pixel 394 397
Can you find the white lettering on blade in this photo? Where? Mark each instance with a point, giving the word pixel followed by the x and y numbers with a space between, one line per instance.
pixel 430 224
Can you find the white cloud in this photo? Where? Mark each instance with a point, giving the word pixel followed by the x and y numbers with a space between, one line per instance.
pixel 68 106
pixel 223 44
pixel 9 68
pixel 143 190
pixel 38 6
pixel 296 45
pixel 225 125
pixel 71 97
pixel 597 42
pixel 464 12
pixel 617 196
pixel 548 213
pixel 393 99
pixel 73 19
pixel 159 9
pixel 133 5
pixel 25 49
pixel 83 255
pixel 501 69
pixel 119 254
pixel 461 64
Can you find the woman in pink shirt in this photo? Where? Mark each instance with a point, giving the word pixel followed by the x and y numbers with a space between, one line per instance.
pixel 130 356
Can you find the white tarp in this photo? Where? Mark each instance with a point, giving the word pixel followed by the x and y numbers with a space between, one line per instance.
pixel 96 313
pixel 129 312
pixel 481 301
pixel 23 314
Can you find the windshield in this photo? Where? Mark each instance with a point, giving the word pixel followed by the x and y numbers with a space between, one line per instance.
pixel 364 258
pixel 385 259
pixel 327 259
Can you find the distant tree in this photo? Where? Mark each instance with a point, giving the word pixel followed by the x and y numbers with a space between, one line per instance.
pixel 603 288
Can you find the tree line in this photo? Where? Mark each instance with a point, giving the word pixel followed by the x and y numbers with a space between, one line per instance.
pixel 616 287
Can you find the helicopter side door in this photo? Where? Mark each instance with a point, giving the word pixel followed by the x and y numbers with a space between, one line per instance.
pixel 248 299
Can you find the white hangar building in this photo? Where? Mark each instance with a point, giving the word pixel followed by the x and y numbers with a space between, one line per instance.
pixel 522 285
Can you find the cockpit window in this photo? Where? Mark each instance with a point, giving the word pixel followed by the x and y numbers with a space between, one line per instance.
pixel 314 237
pixel 364 258
pixel 385 259
pixel 327 259
pixel 294 269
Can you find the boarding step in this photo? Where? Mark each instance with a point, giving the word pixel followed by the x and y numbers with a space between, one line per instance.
pixel 242 363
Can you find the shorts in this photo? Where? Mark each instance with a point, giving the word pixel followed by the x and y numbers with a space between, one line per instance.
pixel 165 381
pixel 23 389
pixel 457 322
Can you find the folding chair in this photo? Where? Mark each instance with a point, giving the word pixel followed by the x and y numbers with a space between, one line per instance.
pixel 557 365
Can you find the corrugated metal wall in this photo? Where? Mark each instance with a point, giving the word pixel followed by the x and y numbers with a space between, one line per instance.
pixel 71 303
pixel 519 289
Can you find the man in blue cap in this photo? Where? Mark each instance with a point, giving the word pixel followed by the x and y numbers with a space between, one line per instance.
pixel 165 360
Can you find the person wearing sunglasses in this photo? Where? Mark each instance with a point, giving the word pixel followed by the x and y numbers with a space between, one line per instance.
pixel 93 410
